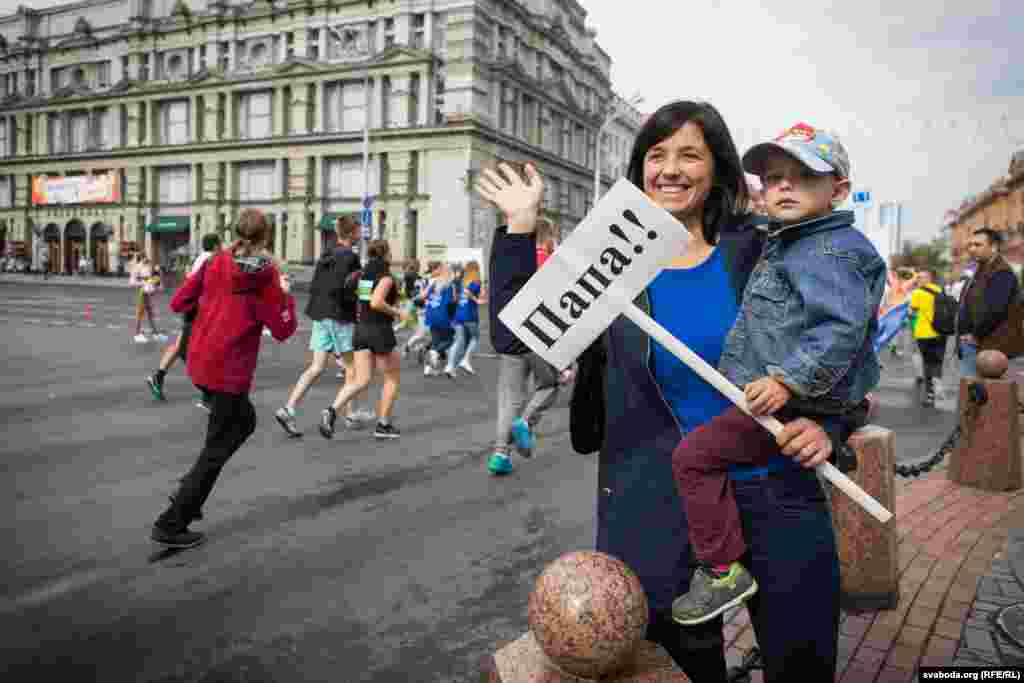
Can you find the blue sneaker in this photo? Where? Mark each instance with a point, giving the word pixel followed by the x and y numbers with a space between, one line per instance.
pixel 499 464
pixel 521 435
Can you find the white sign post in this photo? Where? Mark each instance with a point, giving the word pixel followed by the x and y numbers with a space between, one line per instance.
pixel 594 276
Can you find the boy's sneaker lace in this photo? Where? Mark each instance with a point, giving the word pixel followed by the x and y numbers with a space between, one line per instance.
pixel 712 593
pixel 287 422
pixel 327 420
pixel 386 431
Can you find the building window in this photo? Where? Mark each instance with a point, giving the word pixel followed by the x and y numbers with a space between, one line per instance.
pixel 79 129
pixel 174 122
pixel 256 181
pixel 174 184
pixel 4 123
pixel 529 120
pixel 389 32
pixel 346 106
pixel 30 82
pixel 103 128
pixel 313 43
pixel 258 55
pixel 343 176
pixel 176 69
pixel 418 31
pixel 539 65
pixel 439 99
pixel 385 98
pixel 202 56
pixel 414 99
pixel 255 115
pixel 56 134
pixel 103 75
pixel 501 52
pixel 371 36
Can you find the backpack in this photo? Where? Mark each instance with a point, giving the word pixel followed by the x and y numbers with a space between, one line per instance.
pixel 946 307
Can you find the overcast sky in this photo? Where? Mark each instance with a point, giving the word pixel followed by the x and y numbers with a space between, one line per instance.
pixel 918 91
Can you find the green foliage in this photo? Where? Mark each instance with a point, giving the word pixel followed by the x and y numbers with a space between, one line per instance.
pixel 933 255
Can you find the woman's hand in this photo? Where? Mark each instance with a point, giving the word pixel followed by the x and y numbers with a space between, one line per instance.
pixel 805 441
pixel 519 200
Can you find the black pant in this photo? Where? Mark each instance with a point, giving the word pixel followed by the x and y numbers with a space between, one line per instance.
pixel 232 421
pixel 698 650
pixel 933 353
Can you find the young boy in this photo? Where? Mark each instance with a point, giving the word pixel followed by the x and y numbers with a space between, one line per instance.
pixel 801 346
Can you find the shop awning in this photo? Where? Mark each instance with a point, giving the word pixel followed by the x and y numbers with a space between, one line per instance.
pixel 328 221
pixel 170 224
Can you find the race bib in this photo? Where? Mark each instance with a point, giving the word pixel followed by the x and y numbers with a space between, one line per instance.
pixel 365 290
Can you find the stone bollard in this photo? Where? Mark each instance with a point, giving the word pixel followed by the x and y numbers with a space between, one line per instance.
pixel 987 456
pixel 587 616
pixel 868 561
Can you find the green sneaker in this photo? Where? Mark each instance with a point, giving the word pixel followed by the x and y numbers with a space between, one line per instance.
pixel 156 387
pixel 712 594
pixel 499 464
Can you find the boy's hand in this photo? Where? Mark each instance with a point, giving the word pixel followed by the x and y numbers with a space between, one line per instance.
pixel 766 395
pixel 518 199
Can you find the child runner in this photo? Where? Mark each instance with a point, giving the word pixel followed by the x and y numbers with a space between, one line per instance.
pixel 467 322
pixel 374 343
pixel 242 291
pixel 334 320
pixel 801 346
pixel 420 303
pixel 441 302
pixel 179 349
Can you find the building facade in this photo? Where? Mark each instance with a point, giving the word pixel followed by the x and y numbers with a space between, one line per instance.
pixel 140 125
pixel 1000 207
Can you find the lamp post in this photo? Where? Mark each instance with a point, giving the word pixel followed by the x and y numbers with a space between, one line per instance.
pixel 616 110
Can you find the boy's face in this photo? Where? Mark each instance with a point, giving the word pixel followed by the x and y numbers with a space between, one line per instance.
pixel 794 193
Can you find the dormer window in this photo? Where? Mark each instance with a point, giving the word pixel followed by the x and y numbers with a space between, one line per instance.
pixel 175 67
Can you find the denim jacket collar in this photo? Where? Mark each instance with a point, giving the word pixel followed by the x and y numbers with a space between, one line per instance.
pixel 836 219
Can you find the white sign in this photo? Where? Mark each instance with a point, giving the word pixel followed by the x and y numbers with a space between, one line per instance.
pixel 594 276
pixel 616 251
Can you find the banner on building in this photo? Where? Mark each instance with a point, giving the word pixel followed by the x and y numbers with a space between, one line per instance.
pixel 104 188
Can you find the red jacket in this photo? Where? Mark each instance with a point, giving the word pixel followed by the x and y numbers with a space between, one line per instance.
pixel 236 298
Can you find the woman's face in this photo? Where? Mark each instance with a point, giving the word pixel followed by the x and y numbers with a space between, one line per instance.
pixel 678 172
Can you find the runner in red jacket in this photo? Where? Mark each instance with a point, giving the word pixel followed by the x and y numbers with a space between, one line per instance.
pixel 239 291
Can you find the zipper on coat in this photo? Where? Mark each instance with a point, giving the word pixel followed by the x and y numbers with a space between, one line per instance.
pixel 647 366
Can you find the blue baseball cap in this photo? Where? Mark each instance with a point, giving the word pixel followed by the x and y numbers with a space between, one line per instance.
pixel 815 148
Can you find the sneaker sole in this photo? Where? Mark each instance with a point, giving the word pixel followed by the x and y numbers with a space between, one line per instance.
pixel 287 430
pixel 735 602
pixel 180 546
pixel 385 436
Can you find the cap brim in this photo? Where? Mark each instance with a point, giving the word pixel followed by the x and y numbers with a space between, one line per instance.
pixel 753 160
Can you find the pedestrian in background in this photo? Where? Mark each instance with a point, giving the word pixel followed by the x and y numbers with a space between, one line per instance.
pixel 373 343
pixel 141 277
pixel 179 349
pixel 930 343
pixel 334 321
pixel 440 313
pixel 467 322
pixel 419 301
pixel 242 291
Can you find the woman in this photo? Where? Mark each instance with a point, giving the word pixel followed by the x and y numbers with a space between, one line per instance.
pixel 373 343
pixel 633 401
pixel 467 322
pixel 442 297
pixel 141 277
pixel 240 291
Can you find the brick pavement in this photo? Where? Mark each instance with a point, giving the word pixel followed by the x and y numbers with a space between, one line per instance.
pixel 953 578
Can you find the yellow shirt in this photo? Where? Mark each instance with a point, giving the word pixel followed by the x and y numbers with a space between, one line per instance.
pixel 923 304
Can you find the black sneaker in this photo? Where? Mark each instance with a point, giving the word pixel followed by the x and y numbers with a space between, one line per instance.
pixel 156 386
pixel 287 422
pixel 386 431
pixel 327 420
pixel 177 539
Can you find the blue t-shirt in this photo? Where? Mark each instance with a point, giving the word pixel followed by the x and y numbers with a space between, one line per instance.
pixel 698 307
pixel 437 306
pixel 467 311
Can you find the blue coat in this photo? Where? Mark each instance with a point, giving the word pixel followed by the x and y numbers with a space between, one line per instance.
pixel 617 408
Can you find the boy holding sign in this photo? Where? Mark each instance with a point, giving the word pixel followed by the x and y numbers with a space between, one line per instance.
pixel 801 346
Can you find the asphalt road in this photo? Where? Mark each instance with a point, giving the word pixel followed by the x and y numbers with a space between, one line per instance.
pixel 344 560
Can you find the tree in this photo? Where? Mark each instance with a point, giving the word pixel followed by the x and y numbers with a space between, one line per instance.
pixel 932 255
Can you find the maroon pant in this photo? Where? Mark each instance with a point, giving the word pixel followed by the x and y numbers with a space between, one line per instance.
pixel 700 464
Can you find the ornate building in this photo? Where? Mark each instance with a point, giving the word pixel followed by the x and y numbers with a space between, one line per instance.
pixel 1001 207
pixel 143 124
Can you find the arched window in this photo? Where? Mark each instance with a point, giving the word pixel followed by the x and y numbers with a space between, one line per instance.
pixel 175 66
pixel 258 54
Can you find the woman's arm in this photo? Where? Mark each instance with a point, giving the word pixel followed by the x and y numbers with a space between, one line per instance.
pixel 379 298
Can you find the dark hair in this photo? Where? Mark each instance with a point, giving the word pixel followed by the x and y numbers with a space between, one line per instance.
pixel 211 241
pixel 253 226
pixel 728 196
pixel 378 249
pixel 346 227
pixel 413 266
pixel 994 236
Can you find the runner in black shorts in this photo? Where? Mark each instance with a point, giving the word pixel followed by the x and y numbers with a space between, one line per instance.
pixel 373 343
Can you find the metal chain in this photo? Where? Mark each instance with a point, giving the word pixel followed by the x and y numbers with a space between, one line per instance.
pixel 916 469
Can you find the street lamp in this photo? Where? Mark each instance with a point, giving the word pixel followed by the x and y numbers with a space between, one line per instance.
pixel 616 110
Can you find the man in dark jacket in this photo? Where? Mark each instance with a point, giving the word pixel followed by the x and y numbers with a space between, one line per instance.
pixel 985 301
pixel 334 320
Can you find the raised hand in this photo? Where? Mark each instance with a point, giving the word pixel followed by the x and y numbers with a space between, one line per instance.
pixel 518 199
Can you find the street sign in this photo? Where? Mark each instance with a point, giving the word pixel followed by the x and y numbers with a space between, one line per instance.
pixel 862 197
pixel 366 220
pixel 367 202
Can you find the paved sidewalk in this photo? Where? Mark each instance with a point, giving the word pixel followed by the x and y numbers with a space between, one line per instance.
pixel 953 547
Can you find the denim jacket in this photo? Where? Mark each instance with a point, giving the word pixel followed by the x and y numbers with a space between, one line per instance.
pixel 809 316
